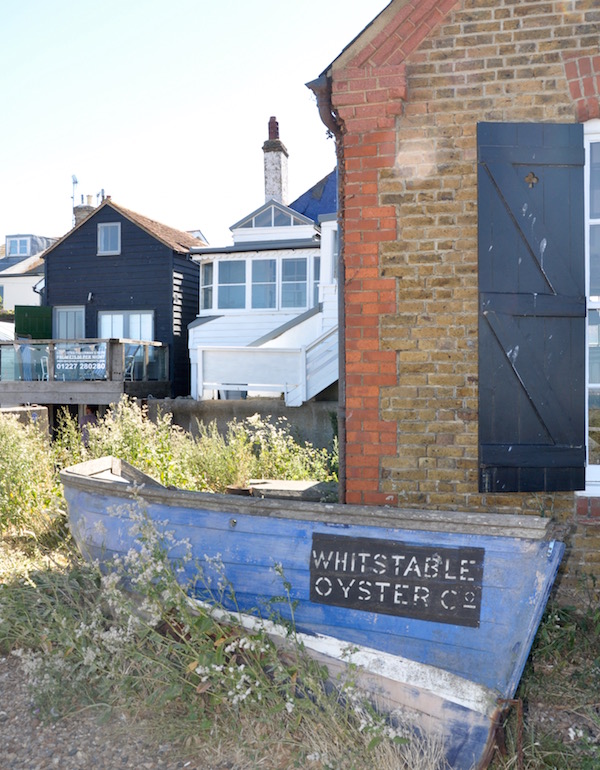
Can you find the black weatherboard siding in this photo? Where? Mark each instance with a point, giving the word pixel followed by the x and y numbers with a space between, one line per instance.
pixel 531 307
pixel 146 275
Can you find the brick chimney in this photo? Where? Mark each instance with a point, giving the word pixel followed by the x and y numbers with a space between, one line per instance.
pixel 276 173
pixel 83 211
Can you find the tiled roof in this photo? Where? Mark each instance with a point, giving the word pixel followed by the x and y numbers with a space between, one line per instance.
pixel 319 200
pixel 178 240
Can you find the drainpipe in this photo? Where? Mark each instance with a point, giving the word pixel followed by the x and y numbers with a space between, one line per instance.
pixel 321 87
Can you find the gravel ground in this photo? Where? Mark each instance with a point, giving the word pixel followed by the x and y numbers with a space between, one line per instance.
pixel 80 742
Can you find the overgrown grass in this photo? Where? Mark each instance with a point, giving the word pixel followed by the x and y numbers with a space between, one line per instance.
pixel 215 687
pixel 559 690
pixel 128 637
pixel 252 449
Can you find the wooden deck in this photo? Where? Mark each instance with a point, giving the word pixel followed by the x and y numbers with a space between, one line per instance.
pixel 89 371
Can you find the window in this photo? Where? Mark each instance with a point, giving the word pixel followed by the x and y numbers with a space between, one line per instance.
pixel 592 209
pixel 206 286
pixel 18 247
pixel 69 323
pixel 264 283
pixel 272 216
pixel 1 297
pixel 232 285
pixel 316 280
pixel 109 238
pixel 293 282
pixel 126 324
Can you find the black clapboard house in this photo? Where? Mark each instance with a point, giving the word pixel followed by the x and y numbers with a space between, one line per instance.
pixel 126 284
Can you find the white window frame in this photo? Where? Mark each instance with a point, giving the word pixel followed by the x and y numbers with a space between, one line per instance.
pixel 74 316
pixel 104 227
pixel 207 288
pixel 272 284
pixel 591 136
pixel 23 246
pixel 248 284
pixel 126 318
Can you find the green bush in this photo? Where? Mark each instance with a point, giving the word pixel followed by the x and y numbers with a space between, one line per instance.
pixel 27 479
pixel 209 461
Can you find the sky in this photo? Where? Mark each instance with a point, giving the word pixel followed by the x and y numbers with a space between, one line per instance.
pixel 164 106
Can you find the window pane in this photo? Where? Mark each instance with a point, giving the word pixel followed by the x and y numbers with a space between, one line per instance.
pixel 293 295
pixel 281 219
pixel 232 272
pixel 595 180
pixel 207 274
pixel 293 283
pixel 109 238
pixel 594 345
pixel 595 262
pixel 317 279
pixel 69 323
pixel 112 325
pixel 263 295
pixel 264 271
pixel 263 219
pixel 293 270
pixel 206 286
pixel 232 297
pixel 206 298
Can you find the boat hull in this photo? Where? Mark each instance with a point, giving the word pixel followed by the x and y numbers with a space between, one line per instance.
pixel 439 613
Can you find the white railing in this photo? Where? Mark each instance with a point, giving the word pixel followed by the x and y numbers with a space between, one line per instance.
pixel 298 373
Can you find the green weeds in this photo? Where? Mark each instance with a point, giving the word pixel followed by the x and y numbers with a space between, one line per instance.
pixel 209 461
pixel 129 637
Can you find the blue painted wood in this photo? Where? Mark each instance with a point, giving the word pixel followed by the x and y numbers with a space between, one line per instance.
pixel 517 577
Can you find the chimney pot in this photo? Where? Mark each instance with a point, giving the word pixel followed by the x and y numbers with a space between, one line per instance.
pixel 273 129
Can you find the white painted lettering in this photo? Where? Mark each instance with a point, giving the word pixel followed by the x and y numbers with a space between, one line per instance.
pixel 448 596
pixel 346 588
pixel 323 586
pixel 398 559
pixel 364 586
pixel 321 559
pixel 432 566
pixel 341 561
pixel 465 569
pixel 382 586
pixel 380 560
pixel 413 566
pixel 447 571
pixel 399 597
pixel 421 594
pixel 363 558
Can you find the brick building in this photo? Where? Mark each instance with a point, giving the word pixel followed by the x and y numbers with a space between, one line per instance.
pixel 468 136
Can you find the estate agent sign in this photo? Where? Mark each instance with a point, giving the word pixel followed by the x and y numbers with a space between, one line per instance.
pixel 80 362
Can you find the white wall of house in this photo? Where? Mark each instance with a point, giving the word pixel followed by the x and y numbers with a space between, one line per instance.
pixel 18 290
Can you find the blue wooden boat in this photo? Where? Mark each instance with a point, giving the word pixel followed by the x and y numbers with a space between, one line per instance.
pixel 438 609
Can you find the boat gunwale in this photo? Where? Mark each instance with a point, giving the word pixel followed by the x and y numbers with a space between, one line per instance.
pixel 84 476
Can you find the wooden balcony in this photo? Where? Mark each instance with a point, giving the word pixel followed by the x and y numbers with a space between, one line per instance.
pixel 85 371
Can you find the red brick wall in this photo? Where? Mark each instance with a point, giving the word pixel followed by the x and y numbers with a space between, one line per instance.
pixel 408 95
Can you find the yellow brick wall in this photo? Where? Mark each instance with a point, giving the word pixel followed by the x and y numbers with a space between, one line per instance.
pixel 476 60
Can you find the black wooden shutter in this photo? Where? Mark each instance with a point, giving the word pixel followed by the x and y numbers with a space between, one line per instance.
pixel 531 307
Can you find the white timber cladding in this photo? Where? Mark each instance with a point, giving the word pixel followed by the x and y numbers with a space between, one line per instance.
pixel 261 351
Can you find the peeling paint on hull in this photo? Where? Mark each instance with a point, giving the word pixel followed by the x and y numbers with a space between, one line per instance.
pixel 448 667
